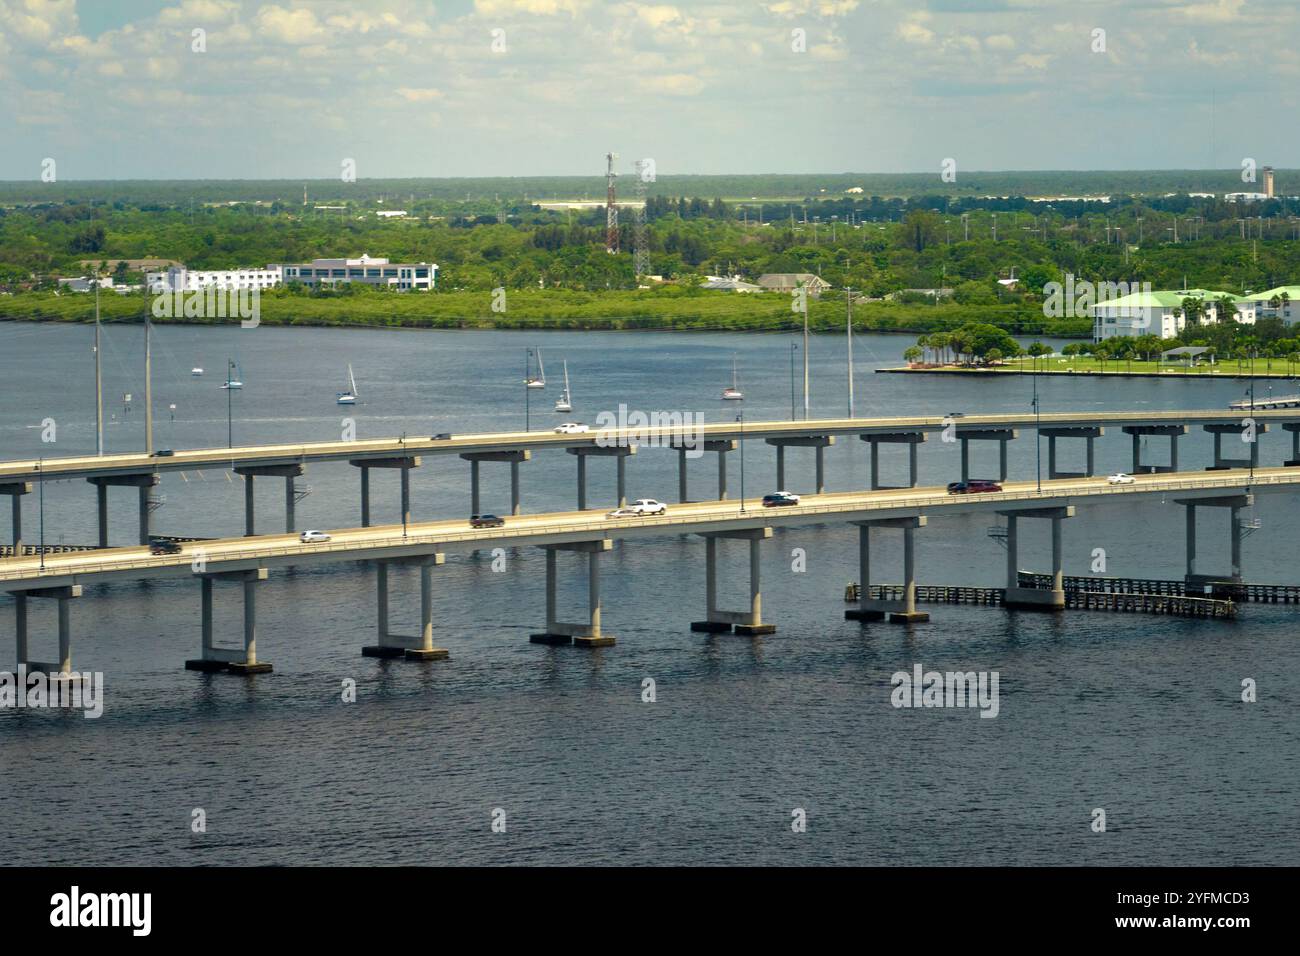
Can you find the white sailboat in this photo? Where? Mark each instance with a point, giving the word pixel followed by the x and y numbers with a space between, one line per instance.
pixel 565 404
pixel 538 381
pixel 349 397
pixel 233 381
pixel 196 371
pixel 733 394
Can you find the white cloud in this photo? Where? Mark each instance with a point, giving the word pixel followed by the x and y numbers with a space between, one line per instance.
pixel 544 8
pixel 675 84
pixel 414 95
pixel 297 26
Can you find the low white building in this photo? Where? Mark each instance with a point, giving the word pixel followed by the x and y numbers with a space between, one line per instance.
pixel 84 284
pixel 1161 313
pixel 1288 307
pixel 367 270
pixel 182 279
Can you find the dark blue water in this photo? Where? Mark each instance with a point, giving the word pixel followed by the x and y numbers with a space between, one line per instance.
pixel 1138 715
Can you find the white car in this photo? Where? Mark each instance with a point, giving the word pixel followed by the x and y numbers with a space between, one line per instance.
pixel 1119 478
pixel 313 537
pixel 639 508
pixel 572 428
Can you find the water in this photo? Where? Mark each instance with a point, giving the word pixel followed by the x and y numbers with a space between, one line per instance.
pixel 1138 715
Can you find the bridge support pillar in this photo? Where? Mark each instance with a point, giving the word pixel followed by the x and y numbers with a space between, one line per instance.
pixel 619 453
pixel 143 483
pixel 1139 431
pixel 1195 581
pixel 897 611
pixel 1036 599
pixel 1294 429
pixel 560 632
pixel 999 435
pixel 251 472
pixel 1088 434
pixel 230 659
pixel 818 442
pixel 411 647
pixel 513 457
pixel 15 491
pixel 743 622
pixel 1247 434
pixel 64 595
pixel 911 439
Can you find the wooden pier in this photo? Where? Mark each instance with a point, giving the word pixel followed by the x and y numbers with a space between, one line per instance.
pixel 1223 590
pixel 1077 599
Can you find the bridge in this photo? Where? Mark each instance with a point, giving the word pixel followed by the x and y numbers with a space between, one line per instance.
pixel 404 454
pixel 249 560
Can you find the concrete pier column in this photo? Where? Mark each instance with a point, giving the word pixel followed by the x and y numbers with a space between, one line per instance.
pixel 551 584
pixel 910 439
pixel 1002 460
pixel 1058 565
pixel 1091 467
pixel 16 507
pixel 289 502
pixel 722 476
pixel 1035 598
pixel 1294 429
pixel 1174 432
pixel 1237 432
pixel 821 469
pixel 1173 450
pixel 875 465
pixel 234 660
pixel 101 501
pixel 1137 453
pixel 582 482
pixel 898 610
pixel 514 488
pixel 426 608
pixel 65 636
pixel 965 460
pixel 1013 571
pixel 475 458
pixel 365 497
pixel 406 495
pixel 143 494
pixel 588 633
pixel 412 647
pixel 1218 449
pixel 621 467
pixel 912 469
pixel 381 598
pixel 20 628
pixel 780 467
pixel 817 442
pixel 250 508
pixel 749 621
pixel 1199 581
pixel 1235 560
pixel 1190 522
pixel 474 493
pixel 1051 456
pixel 205 615
pixel 681 474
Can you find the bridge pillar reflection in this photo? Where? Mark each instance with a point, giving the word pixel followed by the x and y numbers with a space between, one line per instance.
pixel 16 490
pixel 1197 581
pixel 1035 599
pixel 411 647
pixel 234 660
pixel 619 453
pixel 514 457
pixel 898 611
pixel 743 622
pixel 560 632
pixel 818 442
pixel 251 472
pixel 911 439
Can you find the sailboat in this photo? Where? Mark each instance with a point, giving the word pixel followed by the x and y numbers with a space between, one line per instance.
pixel 565 404
pixel 349 397
pixel 733 394
pixel 233 381
pixel 540 380
pixel 196 371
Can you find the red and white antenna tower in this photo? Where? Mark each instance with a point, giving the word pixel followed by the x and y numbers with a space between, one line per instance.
pixel 611 210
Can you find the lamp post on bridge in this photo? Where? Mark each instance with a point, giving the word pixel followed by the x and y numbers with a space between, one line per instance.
pixel 741 418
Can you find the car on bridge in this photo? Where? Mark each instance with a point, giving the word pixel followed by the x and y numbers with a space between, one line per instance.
pixel 441 436
pixel 780 499
pixel 486 521
pixel 640 508
pixel 572 428
pixel 164 546
pixel 1119 478
pixel 313 537
pixel 973 486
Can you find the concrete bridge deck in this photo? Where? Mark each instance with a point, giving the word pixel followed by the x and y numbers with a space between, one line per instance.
pixel 138 463
pixel 558 528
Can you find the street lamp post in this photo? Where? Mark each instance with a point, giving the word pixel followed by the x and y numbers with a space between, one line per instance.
pixel 741 418
pixel 1038 442
pixel 40 470
pixel 230 420
pixel 528 356
pixel 794 347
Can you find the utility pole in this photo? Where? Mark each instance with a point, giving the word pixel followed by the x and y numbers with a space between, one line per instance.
pixel 99 378
pixel 148 372
pixel 848 305
pixel 741 418
pixel 806 414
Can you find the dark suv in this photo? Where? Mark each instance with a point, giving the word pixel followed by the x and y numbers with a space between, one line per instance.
pixel 164 546
pixel 486 521
pixel 974 486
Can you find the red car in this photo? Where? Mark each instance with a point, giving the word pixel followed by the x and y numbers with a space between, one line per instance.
pixel 973 486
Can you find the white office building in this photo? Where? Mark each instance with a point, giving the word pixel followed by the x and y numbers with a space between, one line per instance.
pixel 395 275
pixel 182 279
pixel 1161 313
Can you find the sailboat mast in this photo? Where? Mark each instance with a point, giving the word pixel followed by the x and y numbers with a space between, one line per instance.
pixel 848 303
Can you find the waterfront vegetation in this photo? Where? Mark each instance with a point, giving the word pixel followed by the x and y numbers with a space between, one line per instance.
pixel 894 250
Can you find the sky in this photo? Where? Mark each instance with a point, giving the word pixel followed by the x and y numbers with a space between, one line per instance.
pixel 246 89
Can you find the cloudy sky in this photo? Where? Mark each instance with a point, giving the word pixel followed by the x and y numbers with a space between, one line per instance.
pixel 288 89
